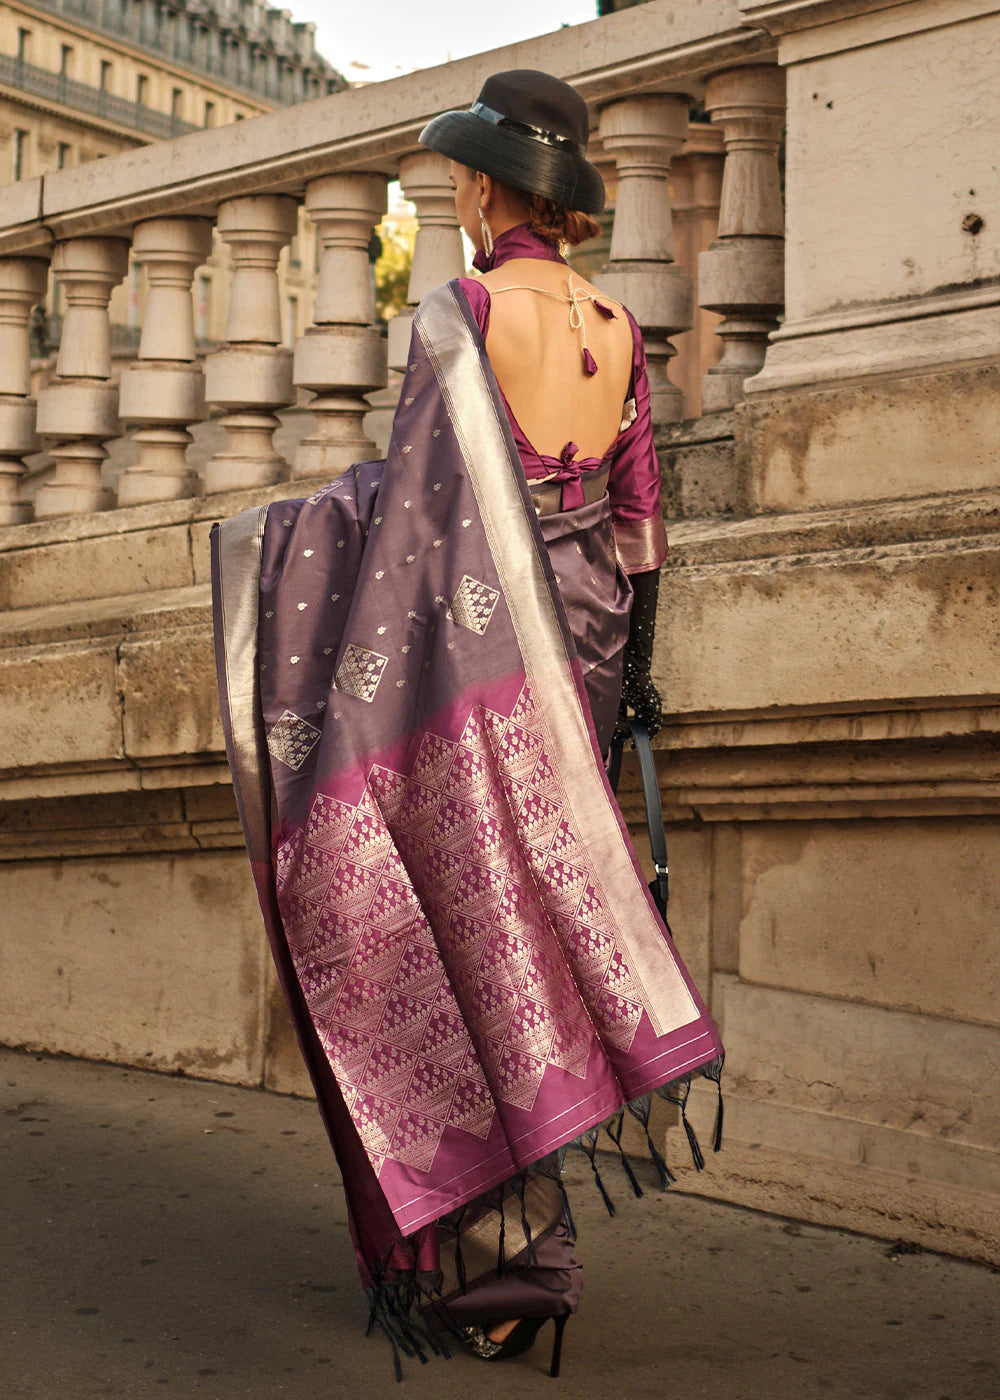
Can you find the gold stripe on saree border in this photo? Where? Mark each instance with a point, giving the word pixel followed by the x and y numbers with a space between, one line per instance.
pixel 239 544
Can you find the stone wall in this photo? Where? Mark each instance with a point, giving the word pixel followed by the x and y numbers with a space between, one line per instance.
pixel 829 652
pixel 826 643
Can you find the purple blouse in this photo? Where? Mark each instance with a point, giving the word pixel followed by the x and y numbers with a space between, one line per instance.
pixel 634 475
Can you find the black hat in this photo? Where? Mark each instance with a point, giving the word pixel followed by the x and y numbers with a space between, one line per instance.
pixel 529 130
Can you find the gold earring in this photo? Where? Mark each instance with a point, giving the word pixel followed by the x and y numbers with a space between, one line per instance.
pixel 487 235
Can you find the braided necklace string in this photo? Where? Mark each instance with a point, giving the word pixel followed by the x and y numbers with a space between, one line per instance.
pixel 575 296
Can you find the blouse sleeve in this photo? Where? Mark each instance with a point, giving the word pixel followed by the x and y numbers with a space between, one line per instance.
pixel 479 299
pixel 634 479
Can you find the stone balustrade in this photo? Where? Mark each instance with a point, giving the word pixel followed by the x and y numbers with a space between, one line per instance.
pixel 643 134
pixel 438 254
pixel 162 202
pixel 78 411
pixel 164 391
pixel 828 761
pixel 342 356
pixel 251 375
pixel 742 274
pixel 22 286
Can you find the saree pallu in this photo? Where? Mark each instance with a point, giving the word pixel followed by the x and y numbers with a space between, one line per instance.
pixel 476 971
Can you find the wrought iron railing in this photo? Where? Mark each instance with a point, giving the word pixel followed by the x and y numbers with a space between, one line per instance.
pixel 57 87
pixel 230 67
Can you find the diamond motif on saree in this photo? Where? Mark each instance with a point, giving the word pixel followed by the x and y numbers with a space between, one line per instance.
pixel 472 855
pixel 473 604
pixel 405 1019
pixel 472 1108
pixel 360 671
pixel 292 739
pixel 375 1120
pixel 389 1071
pixel 432 1089
pixel 415 1141
pixel 329 822
pixel 336 936
pixel 368 841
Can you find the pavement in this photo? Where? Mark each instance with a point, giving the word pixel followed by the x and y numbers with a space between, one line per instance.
pixel 164 1237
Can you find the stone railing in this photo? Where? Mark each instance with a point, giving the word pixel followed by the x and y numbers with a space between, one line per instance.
pixel 825 639
pixel 337 157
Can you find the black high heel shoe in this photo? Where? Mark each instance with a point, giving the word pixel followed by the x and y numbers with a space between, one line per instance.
pixel 517 1341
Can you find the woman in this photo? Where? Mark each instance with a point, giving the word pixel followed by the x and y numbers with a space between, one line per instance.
pixel 534 193
pixel 419 669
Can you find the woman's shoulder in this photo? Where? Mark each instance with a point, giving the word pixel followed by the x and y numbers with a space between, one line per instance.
pixel 478 298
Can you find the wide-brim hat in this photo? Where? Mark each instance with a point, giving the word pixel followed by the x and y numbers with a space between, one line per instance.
pixel 529 130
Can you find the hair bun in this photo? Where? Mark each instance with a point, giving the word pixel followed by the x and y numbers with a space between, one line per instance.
pixel 557 224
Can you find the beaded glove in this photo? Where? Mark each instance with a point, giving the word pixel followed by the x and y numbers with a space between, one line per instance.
pixel 639 694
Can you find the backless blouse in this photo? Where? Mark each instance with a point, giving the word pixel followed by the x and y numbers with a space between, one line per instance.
pixel 633 468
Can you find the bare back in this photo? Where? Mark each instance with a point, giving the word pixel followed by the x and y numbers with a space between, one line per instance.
pixel 537 357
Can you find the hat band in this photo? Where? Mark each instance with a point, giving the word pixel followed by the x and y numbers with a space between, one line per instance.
pixel 537 133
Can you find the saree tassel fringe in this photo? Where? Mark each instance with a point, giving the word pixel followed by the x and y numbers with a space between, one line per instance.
pixel 678 1094
pixel 640 1109
pixel 501 1241
pixel 530 1255
pixel 614 1128
pixel 567 1214
pixel 459 1259
pixel 713 1072
pixel 587 1144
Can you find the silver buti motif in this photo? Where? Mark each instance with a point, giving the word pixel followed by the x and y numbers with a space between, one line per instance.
pixel 292 740
pixel 473 604
pixel 360 671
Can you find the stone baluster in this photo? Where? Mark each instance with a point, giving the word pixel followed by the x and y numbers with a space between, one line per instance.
pixel 164 391
pixel 696 181
pixel 741 275
pixel 342 356
pixel 643 134
pixel 251 375
pixel 22 287
pixel 438 254
pixel 78 411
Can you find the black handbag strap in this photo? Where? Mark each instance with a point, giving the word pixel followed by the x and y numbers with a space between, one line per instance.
pixel 660 886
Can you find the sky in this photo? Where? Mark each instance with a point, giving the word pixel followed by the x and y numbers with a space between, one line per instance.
pixel 390 37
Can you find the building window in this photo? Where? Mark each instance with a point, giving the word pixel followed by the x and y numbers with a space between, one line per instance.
pixel 62 156
pixel 291 320
pixel 23 45
pixel 105 75
pixel 20 154
pixel 142 90
pixel 209 113
pixel 176 103
pixel 65 60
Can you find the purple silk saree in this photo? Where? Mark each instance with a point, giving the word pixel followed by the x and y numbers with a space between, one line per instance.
pixel 475 968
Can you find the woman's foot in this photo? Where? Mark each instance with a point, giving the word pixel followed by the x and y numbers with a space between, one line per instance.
pixel 500 1331
pixel 507 1339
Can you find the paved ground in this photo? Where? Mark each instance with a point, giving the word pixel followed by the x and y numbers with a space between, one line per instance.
pixel 163 1237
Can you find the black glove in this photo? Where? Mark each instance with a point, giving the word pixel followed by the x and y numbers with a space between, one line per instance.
pixel 639 693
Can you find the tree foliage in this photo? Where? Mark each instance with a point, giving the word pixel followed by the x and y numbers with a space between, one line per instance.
pixel 392 269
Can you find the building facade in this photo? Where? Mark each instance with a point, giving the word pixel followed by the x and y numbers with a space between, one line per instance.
pixel 85 79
